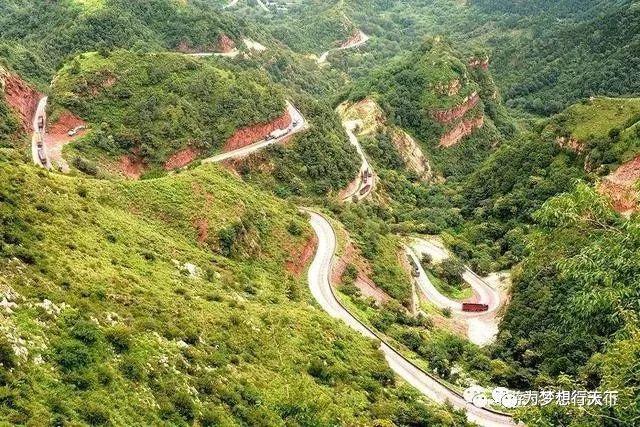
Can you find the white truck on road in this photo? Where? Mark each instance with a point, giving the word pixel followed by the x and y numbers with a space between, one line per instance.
pixel 277 134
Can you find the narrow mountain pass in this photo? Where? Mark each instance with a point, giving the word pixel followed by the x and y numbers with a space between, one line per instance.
pixel 364 183
pixel 429 386
pixel 298 124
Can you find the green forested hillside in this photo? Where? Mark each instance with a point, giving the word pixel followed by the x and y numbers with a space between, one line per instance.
pixel 168 302
pixel 38 36
pixel 156 104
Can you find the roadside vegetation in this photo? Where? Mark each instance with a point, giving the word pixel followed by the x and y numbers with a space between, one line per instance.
pixel 152 105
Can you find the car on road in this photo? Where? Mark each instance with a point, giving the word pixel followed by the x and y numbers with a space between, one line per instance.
pixel 42 156
pixel 75 130
pixel 40 123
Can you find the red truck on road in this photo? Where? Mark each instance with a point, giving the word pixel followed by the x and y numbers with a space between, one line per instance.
pixel 473 307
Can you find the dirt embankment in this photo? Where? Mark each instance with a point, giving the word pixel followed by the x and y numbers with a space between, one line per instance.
pixel 620 187
pixel 251 134
pixel 181 158
pixel 457 112
pixel 299 258
pixel 241 138
pixel 479 63
pixel 461 130
pixel 224 44
pixel 366 286
pixel 57 137
pixel 21 97
pixel 356 38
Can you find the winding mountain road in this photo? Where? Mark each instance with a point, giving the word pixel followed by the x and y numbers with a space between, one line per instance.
pixel 486 293
pixel 298 124
pixel 363 179
pixel 432 388
pixel 37 134
pixel 362 39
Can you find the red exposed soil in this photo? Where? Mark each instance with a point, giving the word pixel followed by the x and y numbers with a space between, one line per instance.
pixel 298 259
pixel 131 166
pixel 447 116
pixel 57 137
pixel 620 186
pixel 64 124
pixel 202 226
pixel 181 158
pixel 21 97
pixel 249 135
pixel 225 44
pixel 366 286
pixel 463 129
pixel 355 38
pixel 570 143
pixel 482 63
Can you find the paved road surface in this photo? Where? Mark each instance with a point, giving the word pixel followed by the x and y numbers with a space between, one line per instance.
pixel 40 111
pixel 486 293
pixel 363 39
pixel 231 54
pixel 318 276
pixel 349 127
pixel 249 149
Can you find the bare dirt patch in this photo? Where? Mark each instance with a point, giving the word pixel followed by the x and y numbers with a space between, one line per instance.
pixel 57 137
pixel 366 286
pixel 181 158
pixel 300 257
pixel 21 97
pixel 131 166
pixel 620 187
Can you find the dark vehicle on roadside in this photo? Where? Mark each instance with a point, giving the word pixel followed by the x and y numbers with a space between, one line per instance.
pixel 474 307
pixel 365 189
pixel 414 268
pixel 40 123
pixel 42 156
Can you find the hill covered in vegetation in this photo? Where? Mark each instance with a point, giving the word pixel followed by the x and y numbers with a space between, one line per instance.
pixel 38 37
pixel 153 105
pixel 170 301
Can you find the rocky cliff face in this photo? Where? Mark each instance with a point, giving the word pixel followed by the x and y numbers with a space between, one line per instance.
pixel 21 97
pixel 249 135
pixel 457 112
pixel 461 130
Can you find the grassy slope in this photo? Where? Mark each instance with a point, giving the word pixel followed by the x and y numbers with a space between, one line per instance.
pixel 160 103
pixel 138 339
pixel 596 118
